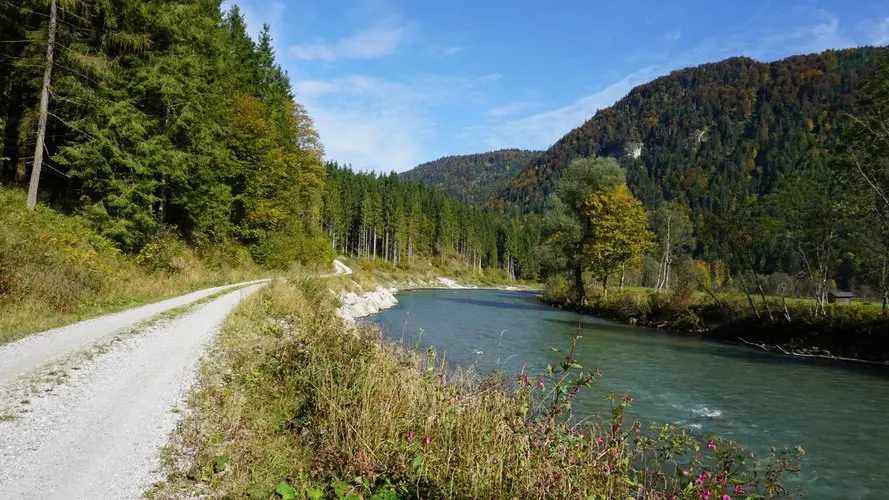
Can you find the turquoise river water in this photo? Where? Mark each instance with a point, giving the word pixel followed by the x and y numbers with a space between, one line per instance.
pixel 838 412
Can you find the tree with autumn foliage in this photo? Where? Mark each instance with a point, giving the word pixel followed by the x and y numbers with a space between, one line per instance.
pixel 618 233
pixel 567 225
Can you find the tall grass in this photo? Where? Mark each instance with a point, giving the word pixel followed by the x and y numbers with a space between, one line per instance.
pixel 54 269
pixel 296 404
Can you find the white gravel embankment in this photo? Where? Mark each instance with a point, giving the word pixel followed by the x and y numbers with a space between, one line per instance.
pixel 359 305
pixel 29 354
pixel 354 306
pixel 98 435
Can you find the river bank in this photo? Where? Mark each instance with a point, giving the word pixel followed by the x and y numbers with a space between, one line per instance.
pixel 855 333
pixel 290 405
pixel 362 303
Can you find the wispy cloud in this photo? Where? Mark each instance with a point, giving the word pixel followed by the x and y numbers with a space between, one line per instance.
pixel 673 35
pixel 380 124
pixel 541 130
pixel 815 31
pixel 372 43
pixel 492 77
pixel 510 109
pixel 879 33
pixel 439 50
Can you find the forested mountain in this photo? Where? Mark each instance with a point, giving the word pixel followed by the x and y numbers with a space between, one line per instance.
pixel 162 114
pixel 714 135
pixel 472 178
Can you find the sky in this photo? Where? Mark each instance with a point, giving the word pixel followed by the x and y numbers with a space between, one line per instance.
pixel 395 83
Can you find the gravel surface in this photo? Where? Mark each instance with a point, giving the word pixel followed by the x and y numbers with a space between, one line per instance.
pixel 99 433
pixel 29 354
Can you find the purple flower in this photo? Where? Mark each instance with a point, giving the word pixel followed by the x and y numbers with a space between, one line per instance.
pixel 410 436
pixel 540 383
pixel 705 494
pixel 726 496
pixel 524 379
pixel 427 440
pixel 739 490
pixel 685 472
pixel 711 445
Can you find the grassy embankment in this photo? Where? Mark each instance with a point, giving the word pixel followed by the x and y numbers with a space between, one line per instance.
pixel 855 331
pixel 292 403
pixel 55 269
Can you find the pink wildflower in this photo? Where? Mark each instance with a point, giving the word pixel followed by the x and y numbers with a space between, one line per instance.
pixel 726 496
pixel 739 490
pixel 540 383
pixel 427 440
pixel 524 379
pixel 705 494
pixel 410 436
pixel 685 472
pixel 711 445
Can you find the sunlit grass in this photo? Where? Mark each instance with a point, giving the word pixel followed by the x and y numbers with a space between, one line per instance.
pixel 295 404
pixel 55 270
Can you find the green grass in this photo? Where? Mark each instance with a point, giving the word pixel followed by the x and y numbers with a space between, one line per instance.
pixel 295 404
pixel 55 270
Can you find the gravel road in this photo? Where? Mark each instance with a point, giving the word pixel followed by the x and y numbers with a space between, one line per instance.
pixel 29 354
pixel 98 434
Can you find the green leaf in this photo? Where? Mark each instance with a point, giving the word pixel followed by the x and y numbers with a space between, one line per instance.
pixel 315 494
pixel 286 491
pixel 417 463
pixel 221 463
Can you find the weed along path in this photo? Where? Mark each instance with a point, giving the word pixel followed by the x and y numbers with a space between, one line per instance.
pixel 25 356
pixel 86 409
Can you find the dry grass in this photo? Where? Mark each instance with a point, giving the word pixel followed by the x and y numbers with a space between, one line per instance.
pixel 295 404
pixel 55 270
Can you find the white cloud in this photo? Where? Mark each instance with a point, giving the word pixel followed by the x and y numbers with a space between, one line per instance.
pixel 674 35
pixel 541 130
pixel 379 124
pixel 372 43
pixel 510 109
pixel 492 77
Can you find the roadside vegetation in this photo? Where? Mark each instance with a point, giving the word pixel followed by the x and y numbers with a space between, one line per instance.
pixel 55 269
pixel 295 404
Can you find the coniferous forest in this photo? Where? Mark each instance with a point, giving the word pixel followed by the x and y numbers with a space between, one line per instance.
pixel 166 116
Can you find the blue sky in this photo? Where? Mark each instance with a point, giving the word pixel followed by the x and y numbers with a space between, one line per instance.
pixel 394 83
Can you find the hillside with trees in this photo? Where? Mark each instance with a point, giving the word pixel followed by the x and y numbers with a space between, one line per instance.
pixel 713 135
pixel 472 178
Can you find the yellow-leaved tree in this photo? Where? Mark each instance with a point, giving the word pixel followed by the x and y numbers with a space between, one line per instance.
pixel 618 235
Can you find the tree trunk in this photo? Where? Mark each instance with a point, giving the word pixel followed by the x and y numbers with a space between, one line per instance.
pixel 605 285
pixel 44 108
pixel 578 285
pixel 623 274
pixel 375 242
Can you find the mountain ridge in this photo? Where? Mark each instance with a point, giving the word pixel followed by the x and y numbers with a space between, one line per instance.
pixel 474 177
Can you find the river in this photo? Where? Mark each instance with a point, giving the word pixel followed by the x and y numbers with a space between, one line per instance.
pixel 838 412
